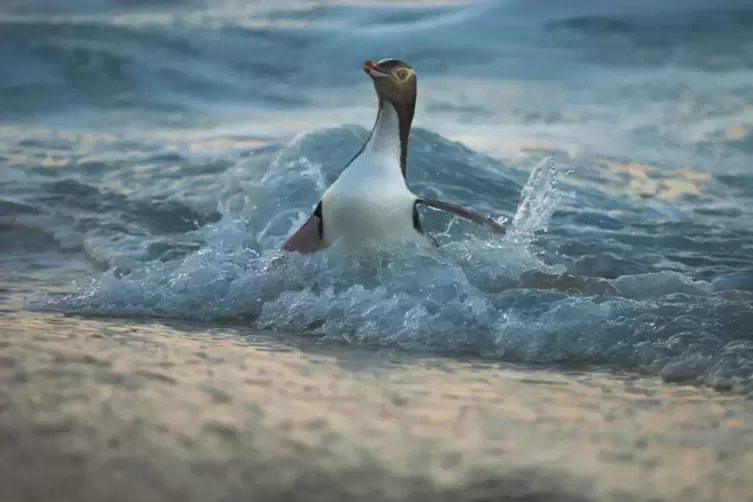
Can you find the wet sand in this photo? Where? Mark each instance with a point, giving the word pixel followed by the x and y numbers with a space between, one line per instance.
pixel 124 410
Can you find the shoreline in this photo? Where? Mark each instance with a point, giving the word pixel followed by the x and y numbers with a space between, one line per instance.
pixel 98 409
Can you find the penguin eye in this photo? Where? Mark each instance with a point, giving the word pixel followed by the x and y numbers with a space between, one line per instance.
pixel 402 74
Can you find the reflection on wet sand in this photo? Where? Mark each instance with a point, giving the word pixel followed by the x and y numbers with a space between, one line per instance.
pixel 644 180
pixel 112 410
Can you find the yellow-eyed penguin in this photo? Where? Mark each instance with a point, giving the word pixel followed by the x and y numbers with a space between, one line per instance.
pixel 370 202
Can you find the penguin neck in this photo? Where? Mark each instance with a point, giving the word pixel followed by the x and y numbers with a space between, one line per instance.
pixel 390 133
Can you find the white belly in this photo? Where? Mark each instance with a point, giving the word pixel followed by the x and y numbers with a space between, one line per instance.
pixel 369 204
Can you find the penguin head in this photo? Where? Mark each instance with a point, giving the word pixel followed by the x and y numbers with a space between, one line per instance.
pixel 394 80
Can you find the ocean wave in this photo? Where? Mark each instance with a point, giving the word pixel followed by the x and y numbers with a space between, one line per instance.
pixel 194 57
pixel 171 66
pixel 523 297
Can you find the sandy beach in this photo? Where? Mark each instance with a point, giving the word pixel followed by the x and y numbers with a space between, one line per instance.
pixel 94 410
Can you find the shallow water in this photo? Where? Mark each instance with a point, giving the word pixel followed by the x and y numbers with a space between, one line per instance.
pixel 155 156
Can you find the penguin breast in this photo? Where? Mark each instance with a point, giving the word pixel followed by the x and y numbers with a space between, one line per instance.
pixel 369 203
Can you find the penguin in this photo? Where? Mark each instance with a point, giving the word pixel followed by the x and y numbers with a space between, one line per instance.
pixel 370 202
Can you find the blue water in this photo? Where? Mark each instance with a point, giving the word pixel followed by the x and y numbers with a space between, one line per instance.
pixel 155 156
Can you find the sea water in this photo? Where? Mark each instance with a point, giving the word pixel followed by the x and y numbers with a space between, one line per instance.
pixel 155 157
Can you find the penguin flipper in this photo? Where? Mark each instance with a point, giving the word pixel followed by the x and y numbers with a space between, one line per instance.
pixel 463 212
pixel 308 238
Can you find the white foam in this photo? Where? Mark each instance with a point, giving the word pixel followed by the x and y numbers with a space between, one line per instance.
pixel 465 297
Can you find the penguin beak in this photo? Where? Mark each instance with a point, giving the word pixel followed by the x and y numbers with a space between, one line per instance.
pixel 373 70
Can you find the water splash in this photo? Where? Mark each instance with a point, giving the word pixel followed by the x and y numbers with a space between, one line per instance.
pixel 540 198
pixel 465 296
pixel 241 255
